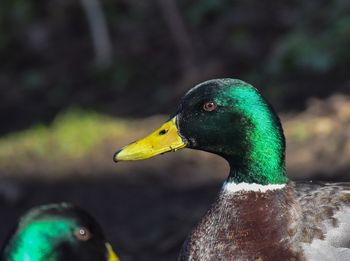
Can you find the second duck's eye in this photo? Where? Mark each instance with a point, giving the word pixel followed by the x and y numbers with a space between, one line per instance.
pixel 82 234
pixel 209 106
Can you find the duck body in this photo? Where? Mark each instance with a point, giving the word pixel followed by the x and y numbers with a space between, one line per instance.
pixel 239 227
pixel 276 224
pixel 259 214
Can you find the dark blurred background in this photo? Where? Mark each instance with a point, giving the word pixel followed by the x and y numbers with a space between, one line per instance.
pixel 78 79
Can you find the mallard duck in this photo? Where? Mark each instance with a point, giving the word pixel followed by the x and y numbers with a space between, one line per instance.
pixel 57 232
pixel 259 214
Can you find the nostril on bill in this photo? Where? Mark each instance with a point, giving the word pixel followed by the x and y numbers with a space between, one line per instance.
pixel 162 132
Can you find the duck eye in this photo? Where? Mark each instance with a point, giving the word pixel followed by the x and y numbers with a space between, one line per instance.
pixel 82 234
pixel 209 106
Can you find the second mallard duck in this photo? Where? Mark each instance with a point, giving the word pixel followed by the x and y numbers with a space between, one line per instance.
pixel 259 214
pixel 57 232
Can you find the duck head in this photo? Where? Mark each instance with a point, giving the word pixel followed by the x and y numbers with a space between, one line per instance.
pixel 227 117
pixel 57 232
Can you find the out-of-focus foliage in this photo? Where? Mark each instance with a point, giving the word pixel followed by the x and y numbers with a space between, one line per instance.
pixel 292 49
pixel 317 43
pixel 72 136
pixel 318 140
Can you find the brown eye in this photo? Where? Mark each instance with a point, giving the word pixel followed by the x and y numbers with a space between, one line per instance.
pixel 209 106
pixel 82 234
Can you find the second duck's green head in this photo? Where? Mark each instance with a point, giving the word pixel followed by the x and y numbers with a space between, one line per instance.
pixel 227 117
pixel 57 232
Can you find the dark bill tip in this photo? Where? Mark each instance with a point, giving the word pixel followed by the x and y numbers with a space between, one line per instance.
pixel 115 156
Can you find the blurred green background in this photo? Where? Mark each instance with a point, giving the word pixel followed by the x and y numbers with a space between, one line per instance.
pixel 78 79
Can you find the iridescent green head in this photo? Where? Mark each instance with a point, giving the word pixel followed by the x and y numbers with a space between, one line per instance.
pixel 57 232
pixel 230 118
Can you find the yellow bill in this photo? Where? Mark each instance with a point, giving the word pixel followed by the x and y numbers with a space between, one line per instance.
pixel 111 254
pixel 162 140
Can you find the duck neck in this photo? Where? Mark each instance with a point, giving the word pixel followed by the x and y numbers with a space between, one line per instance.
pixel 256 174
pixel 263 158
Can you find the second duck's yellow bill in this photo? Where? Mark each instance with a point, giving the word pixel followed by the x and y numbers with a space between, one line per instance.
pixel 164 139
pixel 111 254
